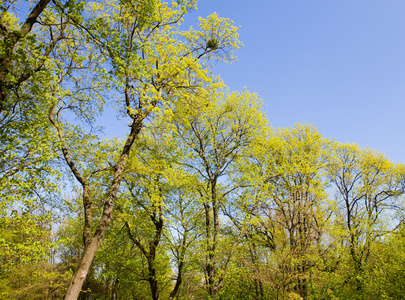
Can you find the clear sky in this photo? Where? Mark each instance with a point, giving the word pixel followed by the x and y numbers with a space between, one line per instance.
pixel 336 64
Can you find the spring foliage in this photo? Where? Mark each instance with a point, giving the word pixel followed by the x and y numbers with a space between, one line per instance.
pixel 202 199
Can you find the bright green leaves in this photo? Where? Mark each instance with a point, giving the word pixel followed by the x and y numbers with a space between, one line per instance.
pixel 25 239
pixel 218 128
pixel 295 216
pixel 28 246
pixel 365 179
pixel 212 196
pixel 368 189
pixel 220 34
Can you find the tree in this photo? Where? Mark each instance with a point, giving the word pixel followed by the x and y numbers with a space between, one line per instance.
pixel 215 136
pixel 286 175
pixel 26 155
pixel 28 179
pixel 134 39
pixel 160 191
pixel 143 208
pixel 28 248
pixel 368 186
pixel 385 268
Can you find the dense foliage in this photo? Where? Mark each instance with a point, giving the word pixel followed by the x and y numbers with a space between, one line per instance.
pixel 202 199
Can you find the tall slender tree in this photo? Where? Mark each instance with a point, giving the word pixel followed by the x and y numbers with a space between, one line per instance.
pixel 215 137
pixel 137 57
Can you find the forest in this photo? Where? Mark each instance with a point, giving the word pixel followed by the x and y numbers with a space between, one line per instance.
pixel 197 196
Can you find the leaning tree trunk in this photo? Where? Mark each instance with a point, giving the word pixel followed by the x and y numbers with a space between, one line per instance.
pixel 94 243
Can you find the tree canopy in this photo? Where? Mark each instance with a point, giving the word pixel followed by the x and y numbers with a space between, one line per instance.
pixel 200 198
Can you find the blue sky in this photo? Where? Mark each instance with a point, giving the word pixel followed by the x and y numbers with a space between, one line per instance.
pixel 336 64
pixel 339 65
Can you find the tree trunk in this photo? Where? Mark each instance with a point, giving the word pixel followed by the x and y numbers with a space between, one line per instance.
pixel 178 282
pixel 179 270
pixel 152 277
pixel 85 263
pixel 211 268
pixel 94 243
